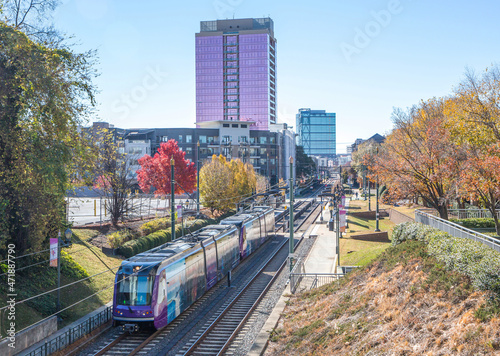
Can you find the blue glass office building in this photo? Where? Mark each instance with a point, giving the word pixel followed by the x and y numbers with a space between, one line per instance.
pixel 317 132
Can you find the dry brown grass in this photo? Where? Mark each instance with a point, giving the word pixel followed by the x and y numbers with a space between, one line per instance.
pixel 385 310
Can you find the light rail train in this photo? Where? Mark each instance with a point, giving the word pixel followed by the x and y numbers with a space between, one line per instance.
pixel 154 287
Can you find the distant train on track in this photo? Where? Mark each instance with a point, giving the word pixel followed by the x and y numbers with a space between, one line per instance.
pixel 154 287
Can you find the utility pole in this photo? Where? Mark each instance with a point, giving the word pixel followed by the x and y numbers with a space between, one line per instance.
pixel 198 179
pixel 58 273
pixel 172 198
pixel 291 242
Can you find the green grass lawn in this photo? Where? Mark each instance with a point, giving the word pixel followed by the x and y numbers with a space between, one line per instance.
pixel 93 261
pixel 42 278
pixel 354 252
pixel 362 205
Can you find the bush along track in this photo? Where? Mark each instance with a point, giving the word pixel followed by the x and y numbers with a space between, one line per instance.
pixel 157 238
pixel 476 223
pixel 429 293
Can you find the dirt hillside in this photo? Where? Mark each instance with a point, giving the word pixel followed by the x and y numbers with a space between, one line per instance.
pixel 405 303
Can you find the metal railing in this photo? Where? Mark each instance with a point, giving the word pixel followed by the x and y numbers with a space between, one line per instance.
pixel 398 217
pixel 73 334
pixel 296 275
pixel 308 281
pixel 455 229
pixel 471 213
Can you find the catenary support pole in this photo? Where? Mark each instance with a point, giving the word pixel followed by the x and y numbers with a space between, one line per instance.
pixel 198 179
pixel 376 211
pixel 291 242
pixel 172 197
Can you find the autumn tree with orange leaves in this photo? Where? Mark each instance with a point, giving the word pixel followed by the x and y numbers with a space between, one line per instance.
pixel 474 121
pixel 418 156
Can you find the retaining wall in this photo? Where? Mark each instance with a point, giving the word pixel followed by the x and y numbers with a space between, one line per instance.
pixel 29 337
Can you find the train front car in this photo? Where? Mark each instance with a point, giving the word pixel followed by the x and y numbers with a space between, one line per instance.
pixel 133 294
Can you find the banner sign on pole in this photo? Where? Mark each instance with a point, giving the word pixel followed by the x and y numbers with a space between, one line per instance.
pixel 343 220
pixel 343 200
pixel 54 243
pixel 179 211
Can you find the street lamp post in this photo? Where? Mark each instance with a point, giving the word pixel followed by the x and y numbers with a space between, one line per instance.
pixel 198 179
pixel 364 180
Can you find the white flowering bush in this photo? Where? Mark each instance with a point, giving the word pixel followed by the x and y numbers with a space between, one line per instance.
pixel 409 231
pixel 477 261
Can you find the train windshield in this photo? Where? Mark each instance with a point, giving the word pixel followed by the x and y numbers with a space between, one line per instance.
pixel 134 289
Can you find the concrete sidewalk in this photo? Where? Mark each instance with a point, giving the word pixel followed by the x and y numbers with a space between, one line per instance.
pixel 323 257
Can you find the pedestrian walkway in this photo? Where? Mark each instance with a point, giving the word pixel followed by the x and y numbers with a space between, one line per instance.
pixel 323 256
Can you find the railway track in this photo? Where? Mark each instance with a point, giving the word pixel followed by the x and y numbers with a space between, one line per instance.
pixel 222 326
pixel 219 335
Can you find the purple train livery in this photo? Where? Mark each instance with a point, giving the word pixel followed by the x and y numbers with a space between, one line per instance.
pixel 154 287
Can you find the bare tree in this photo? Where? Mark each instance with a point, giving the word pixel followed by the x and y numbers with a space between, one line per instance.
pixel 33 17
pixel 114 177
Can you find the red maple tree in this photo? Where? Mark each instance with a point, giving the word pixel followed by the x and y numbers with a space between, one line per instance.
pixel 155 171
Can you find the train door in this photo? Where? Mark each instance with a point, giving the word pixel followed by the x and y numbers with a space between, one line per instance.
pixel 176 278
pixel 160 307
pixel 210 262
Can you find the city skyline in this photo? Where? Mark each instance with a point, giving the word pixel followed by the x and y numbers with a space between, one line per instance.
pixel 358 60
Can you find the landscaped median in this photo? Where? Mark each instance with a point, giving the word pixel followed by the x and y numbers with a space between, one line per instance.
pixel 360 244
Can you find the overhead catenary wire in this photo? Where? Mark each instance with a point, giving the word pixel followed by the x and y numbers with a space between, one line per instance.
pixel 70 306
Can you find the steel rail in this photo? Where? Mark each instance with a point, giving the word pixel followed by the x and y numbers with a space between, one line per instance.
pixel 223 313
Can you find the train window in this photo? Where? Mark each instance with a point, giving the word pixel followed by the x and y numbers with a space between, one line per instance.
pixel 134 290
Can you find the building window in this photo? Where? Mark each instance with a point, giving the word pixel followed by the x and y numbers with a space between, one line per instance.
pixel 242 139
pixel 226 139
pixel 180 139
pixel 189 139
pixel 272 139
pixel 225 125
pixel 135 150
pixel 203 139
pixel 263 140
pixel 244 126
pixel 235 125
pixel 189 150
pixel 164 138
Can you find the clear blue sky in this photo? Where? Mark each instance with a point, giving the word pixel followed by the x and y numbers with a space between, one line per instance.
pixel 356 58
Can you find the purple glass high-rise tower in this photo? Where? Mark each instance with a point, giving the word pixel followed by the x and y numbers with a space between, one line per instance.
pixel 236 72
